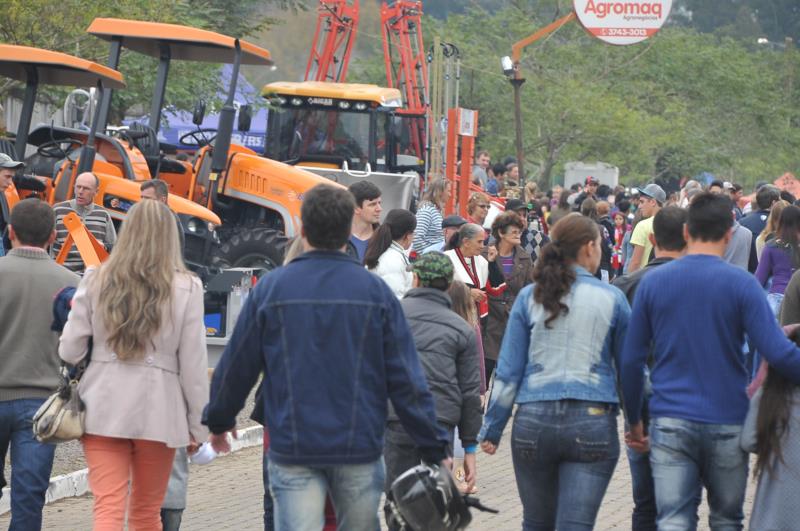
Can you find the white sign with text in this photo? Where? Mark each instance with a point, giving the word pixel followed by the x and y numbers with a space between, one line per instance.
pixel 623 21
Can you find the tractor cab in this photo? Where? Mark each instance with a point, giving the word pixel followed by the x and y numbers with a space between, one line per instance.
pixel 62 153
pixel 345 132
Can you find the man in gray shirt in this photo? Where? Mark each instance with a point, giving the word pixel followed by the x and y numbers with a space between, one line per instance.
pixel 740 250
pixel 29 362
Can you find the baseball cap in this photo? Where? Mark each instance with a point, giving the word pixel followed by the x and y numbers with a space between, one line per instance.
pixel 431 266
pixel 512 205
pixel 8 163
pixel 453 221
pixel 593 180
pixel 654 191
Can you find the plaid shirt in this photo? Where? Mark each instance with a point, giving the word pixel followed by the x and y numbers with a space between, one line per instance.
pixel 533 241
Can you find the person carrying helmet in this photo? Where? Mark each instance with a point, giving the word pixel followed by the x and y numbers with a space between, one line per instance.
pixel 447 349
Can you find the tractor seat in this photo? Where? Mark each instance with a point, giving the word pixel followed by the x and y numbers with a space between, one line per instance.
pixel 161 164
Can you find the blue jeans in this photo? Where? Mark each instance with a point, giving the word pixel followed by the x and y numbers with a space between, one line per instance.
pixel 299 492
pixel 564 454
pixel 684 453
pixel 644 496
pixel 269 511
pixel 171 519
pixel 31 463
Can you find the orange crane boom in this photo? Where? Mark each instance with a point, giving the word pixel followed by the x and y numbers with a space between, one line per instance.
pixel 334 37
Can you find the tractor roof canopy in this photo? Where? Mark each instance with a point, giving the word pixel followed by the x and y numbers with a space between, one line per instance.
pixel 55 68
pixel 386 97
pixel 185 43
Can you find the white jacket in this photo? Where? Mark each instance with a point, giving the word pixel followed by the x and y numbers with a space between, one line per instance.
pixel 393 269
pixel 459 273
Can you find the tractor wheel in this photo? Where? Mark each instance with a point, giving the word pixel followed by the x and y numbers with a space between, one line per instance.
pixel 258 247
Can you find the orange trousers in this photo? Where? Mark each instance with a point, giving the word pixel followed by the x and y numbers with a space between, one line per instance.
pixel 114 464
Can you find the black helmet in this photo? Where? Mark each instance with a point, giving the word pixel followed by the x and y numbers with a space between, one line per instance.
pixel 425 498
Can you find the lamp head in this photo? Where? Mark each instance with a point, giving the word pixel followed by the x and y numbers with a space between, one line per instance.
pixel 508 65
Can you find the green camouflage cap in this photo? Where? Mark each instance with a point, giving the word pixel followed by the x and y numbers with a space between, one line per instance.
pixel 431 266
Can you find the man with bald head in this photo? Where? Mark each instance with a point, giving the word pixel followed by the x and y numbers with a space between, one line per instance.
pixel 95 217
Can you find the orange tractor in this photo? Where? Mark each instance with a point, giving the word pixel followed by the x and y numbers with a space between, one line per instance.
pixel 257 199
pixel 63 153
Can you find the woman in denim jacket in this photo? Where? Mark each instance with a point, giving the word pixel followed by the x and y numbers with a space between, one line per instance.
pixel 557 360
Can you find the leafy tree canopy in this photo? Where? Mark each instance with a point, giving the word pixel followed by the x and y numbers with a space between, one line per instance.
pixel 61 26
pixel 680 103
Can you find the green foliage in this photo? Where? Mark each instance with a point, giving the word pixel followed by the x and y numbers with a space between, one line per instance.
pixel 62 26
pixel 678 104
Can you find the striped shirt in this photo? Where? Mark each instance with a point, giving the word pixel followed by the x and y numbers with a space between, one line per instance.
pixel 429 227
pixel 97 221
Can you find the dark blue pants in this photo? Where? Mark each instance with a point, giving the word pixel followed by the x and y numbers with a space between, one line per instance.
pixel 31 463
pixel 269 512
pixel 564 454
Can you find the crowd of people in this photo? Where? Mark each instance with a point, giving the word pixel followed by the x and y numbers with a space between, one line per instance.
pixel 392 339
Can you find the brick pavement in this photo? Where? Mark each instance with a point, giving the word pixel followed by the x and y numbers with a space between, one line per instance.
pixel 226 495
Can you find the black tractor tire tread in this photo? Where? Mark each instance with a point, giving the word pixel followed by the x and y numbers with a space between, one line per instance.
pixel 243 241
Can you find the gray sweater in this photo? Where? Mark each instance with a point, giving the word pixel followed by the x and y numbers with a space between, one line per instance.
pixel 775 506
pixel 29 362
pixel 448 351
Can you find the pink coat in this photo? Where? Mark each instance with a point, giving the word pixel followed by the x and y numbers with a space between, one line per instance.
pixel 158 397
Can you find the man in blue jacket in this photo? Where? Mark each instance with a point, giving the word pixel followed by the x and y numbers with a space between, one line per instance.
pixel 334 347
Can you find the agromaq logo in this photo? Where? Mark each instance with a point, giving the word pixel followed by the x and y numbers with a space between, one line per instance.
pixel 624 21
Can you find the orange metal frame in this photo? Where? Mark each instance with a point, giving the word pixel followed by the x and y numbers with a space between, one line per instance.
pixel 92 252
pixel 516 49
pixel 459 181
pixel 337 27
pixel 406 65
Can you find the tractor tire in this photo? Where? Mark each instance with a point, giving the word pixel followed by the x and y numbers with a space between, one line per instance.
pixel 258 247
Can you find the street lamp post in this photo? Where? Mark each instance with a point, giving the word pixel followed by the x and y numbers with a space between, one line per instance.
pixel 517 82
pixel 511 68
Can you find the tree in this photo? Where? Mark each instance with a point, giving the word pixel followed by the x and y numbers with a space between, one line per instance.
pixel 680 103
pixel 61 26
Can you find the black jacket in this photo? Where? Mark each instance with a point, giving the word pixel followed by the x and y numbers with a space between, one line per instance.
pixel 5 216
pixel 448 352
pixel 500 306
pixel 627 284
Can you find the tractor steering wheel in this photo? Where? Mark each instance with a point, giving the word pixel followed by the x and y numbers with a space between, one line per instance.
pixel 200 137
pixel 56 148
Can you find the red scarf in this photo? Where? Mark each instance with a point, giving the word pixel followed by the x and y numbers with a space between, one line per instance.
pixel 472 273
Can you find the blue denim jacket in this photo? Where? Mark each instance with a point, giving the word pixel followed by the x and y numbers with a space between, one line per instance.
pixel 573 359
pixel 334 347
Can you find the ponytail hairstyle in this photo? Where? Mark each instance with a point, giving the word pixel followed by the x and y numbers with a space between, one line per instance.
pixel 553 273
pixel 467 231
pixel 774 413
pixel 398 223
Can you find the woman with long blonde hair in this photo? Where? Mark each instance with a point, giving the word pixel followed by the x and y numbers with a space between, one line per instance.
pixel 141 314
pixel 772 227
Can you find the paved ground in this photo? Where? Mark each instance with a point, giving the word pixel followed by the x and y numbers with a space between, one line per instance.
pixel 226 494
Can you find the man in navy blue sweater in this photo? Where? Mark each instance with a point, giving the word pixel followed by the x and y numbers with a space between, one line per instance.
pixel 334 347
pixel 694 313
